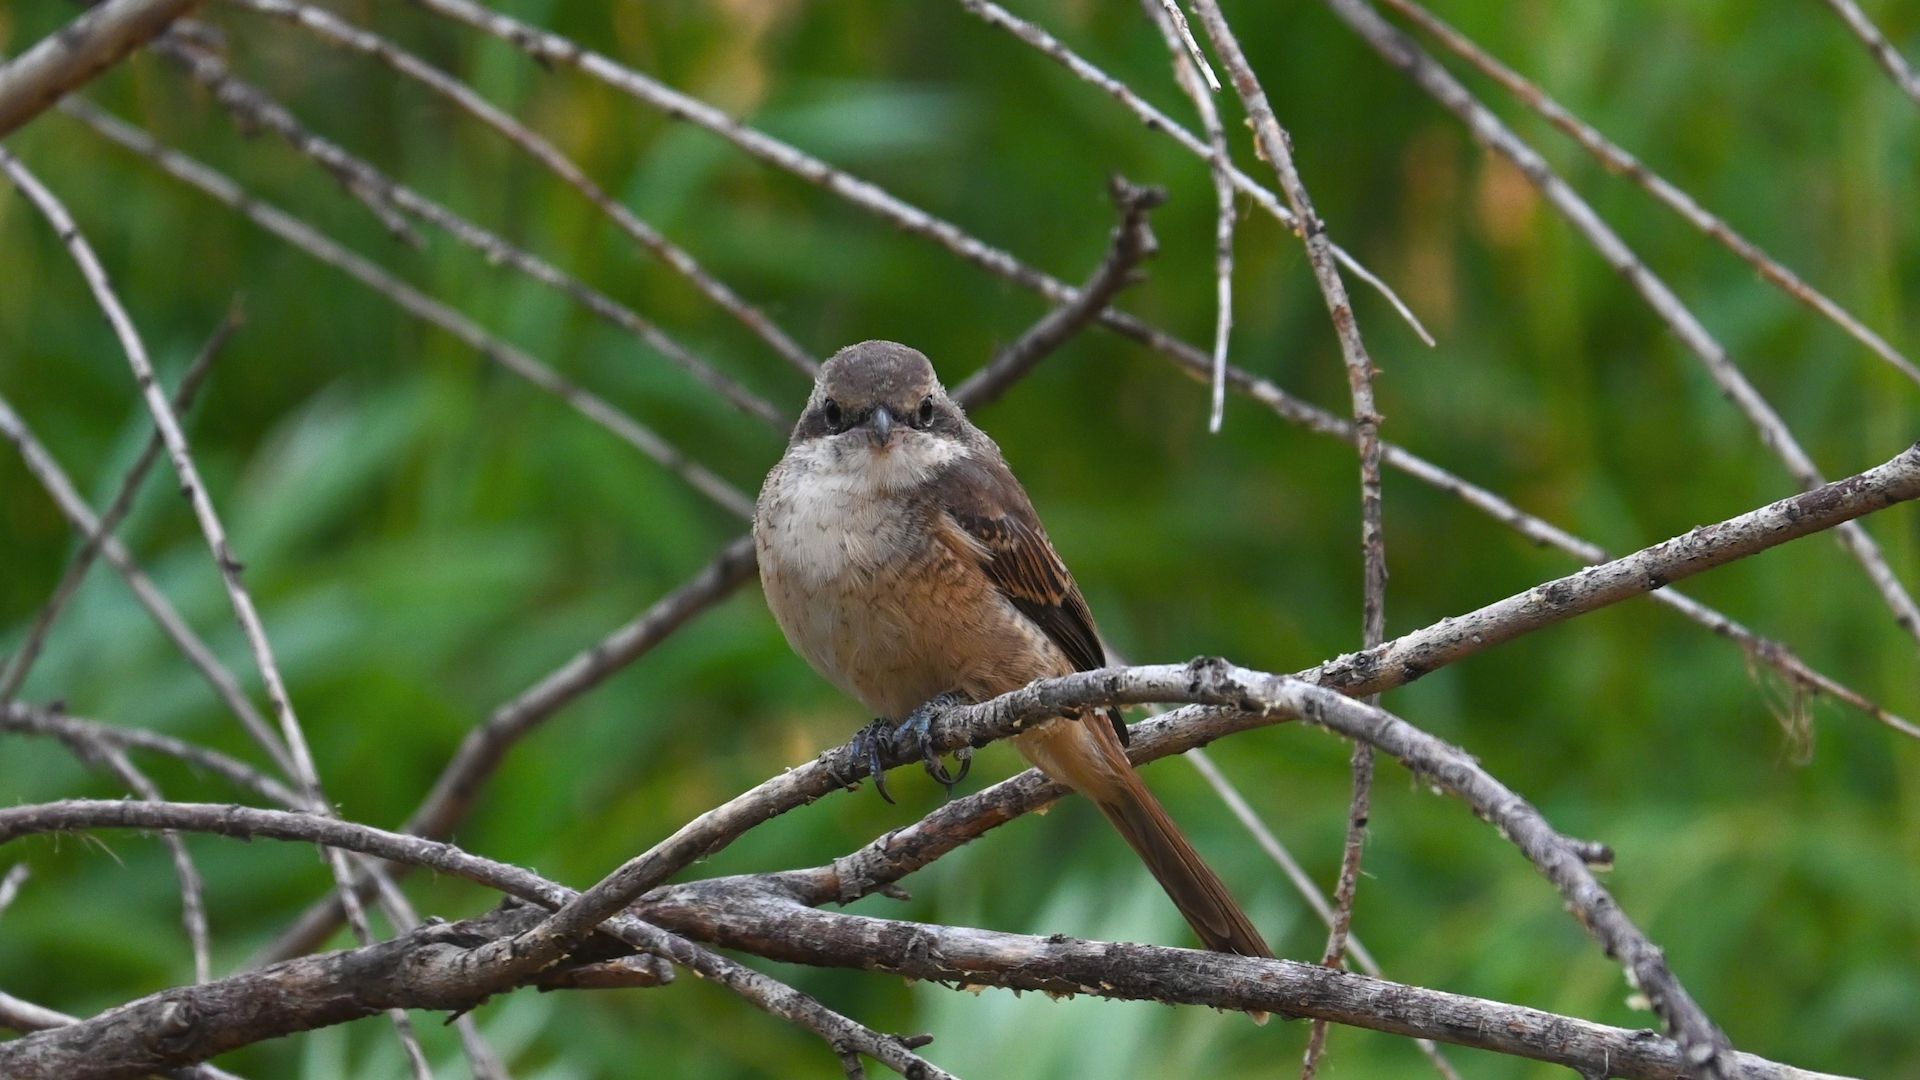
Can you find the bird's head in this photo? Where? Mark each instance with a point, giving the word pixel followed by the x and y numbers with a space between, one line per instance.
pixel 881 392
pixel 879 410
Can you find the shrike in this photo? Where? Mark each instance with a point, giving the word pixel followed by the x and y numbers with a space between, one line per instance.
pixel 905 562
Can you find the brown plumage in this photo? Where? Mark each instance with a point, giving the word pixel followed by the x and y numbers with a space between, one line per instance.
pixel 903 560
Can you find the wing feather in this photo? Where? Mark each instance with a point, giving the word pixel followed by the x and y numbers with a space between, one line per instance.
pixel 992 510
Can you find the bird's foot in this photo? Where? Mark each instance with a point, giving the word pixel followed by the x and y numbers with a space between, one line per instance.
pixel 868 743
pixel 918 726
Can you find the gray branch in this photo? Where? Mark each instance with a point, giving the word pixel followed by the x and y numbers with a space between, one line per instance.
pixel 433 966
pixel 78 53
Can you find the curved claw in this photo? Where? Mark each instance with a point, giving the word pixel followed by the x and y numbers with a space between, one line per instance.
pixel 867 743
pixel 919 727
pixel 964 756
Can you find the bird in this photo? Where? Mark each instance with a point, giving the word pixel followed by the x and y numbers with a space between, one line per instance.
pixel 905 563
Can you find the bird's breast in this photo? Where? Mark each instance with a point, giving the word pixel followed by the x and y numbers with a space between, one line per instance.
pixel 868 594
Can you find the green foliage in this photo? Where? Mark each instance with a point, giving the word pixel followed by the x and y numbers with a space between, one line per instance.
pixel 427 536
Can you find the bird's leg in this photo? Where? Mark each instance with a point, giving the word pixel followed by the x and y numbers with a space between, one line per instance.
pixel 918 726
pixel 868 742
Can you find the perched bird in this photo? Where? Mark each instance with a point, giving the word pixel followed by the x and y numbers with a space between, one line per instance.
pixel 904 561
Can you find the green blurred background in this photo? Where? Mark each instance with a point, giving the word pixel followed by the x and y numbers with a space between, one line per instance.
pixel 428 536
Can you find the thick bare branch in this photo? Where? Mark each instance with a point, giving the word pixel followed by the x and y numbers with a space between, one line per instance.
pixel 25 1016
pixel 437 966
pixel 78 53
pixel 743 914
pixel 429 968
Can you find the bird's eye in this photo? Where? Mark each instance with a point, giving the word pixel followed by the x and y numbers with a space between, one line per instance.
pixel 831 410
pixel 926 410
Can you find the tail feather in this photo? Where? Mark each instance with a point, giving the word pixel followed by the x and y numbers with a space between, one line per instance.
pixel 1086 756
pixel 1189 882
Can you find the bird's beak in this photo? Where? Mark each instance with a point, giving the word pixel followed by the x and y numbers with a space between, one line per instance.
pixel 880 425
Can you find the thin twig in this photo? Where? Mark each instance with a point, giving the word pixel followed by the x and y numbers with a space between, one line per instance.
pixel 22 718
pixel 416 303
pixel 1622 163
pixel 42 466
pixel 1403 53
pixel 1220 167
pixel 1132 243
pixel 253 107
pixel 1155 120
pixel 1884 53
pixel 77 53
pixel 1184 35
pixel 183 46
pixel 10 883
pixel 116 511
pixel 339 32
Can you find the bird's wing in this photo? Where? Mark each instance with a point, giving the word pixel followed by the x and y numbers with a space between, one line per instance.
pixel 990 509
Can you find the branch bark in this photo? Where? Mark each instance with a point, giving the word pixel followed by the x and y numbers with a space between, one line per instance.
pixel 78 53
pixel 744 914
pixel 437 966
pixel 431 967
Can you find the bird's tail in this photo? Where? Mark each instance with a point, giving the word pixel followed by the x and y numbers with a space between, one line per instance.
pixel 1086 755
